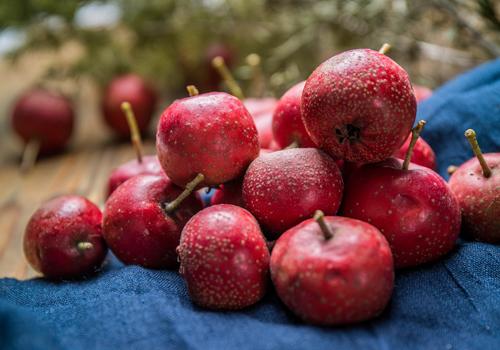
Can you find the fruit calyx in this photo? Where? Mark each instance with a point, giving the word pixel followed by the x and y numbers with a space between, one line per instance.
pixel 349 132
pixel 471 137
pixel 415 134
pixel 190 187
pixel 319 217
pixel 135 135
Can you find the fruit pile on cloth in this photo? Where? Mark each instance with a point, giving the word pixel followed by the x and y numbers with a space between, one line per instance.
pixel 450 304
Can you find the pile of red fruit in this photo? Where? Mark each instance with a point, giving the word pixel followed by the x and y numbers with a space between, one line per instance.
pixel 356 110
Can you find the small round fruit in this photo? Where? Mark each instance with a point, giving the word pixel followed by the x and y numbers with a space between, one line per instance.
pixel 134 89
pixel 229 193
pixel 479 197
pixel 149 166
pixel 264 125
pixel 422 153
pixel 44 116
pixel 421 92
pixel 136 226
pixel 212 134
pixel 359 106
pixel 63 238
pixel 284 187
pixel 333 280
pixel 258 106
pixel 287 120
pixel 414 209
pixel 224 258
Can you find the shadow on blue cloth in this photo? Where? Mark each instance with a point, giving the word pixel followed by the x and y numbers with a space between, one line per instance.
pixel 451 304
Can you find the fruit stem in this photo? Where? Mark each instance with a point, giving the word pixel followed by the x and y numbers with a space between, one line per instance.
pixel 294 144
pixel 451 169
pixel 319 216
pixel 415 133
pixel 30 155
pixel 190 187
pixel 471 136
pixel 192 90
pixel 135 135
pixel 385 48
pixel 219 64
pixel 82 246
pixel 258 86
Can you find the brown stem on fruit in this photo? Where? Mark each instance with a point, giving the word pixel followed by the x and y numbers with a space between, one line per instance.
pixel 415 133
pixel 294 144
pixel 30 154
pixel 82 246
pixel 384 49
pixel 219 64
pixel 190 187
pixel 471 136
pixel 192 90
pixel 258 82
pixel 135 135
pixel 451 169
pixel 319 216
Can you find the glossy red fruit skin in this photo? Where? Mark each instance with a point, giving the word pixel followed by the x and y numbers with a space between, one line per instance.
pixel 284 187
pixel 136 227
pixel 348 278
pixel 229 193
pixel 414 209
pixel 261 110
pixel 258 106
pixel 359 106
pixel 287 119
pixel 422 153
pixel 211 133
pixel 134 89
pixel 273 146
pixel 479 198
pixel 53 233
pixel 264 125
pixel 421 93
pixel 149 166
pixel 46 116
pixel 224 258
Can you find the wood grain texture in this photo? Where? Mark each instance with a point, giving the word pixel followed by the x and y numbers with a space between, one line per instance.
pixel 82 169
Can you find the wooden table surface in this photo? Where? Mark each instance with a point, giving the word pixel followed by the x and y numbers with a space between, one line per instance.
pixel 82 169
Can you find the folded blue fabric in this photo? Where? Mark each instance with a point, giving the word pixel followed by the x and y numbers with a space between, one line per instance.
pixel 450 304
pixel 470 101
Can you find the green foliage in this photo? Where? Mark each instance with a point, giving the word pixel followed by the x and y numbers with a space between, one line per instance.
pixel 166 40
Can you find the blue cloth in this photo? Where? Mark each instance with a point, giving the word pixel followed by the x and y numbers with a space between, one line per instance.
pixel 450 304
pixel 470 101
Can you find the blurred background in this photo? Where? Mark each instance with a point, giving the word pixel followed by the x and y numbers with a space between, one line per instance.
pixel 77 47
